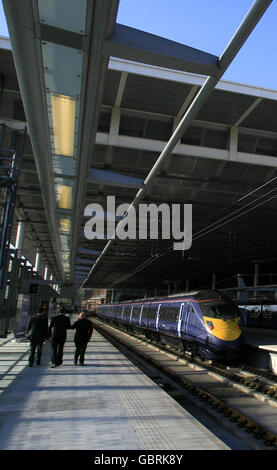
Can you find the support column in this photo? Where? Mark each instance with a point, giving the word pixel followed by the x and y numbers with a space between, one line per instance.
pixel 256 275
pixel 114 126
pixel 45 273
pixel 233 149
pixel 20 238
pixel 242 295
pixel 256 278
pixel 37 262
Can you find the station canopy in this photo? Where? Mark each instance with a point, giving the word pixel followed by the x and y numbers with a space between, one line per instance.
pixel 102 103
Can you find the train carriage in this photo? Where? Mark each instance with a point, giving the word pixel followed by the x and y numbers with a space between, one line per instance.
pixel 206 322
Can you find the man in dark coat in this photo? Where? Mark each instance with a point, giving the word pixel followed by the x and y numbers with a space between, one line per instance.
pixel 82 336
pixel 57 331
pixel 37 332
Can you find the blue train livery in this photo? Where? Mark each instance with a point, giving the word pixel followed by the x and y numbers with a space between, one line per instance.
pixel 203 322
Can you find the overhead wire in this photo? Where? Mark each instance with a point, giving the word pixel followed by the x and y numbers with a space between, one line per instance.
pixel 237 210
pixel 214 226
pixel 257 189
pixel 241 198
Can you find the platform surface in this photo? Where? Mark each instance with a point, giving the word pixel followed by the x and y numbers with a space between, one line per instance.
pixel 107 404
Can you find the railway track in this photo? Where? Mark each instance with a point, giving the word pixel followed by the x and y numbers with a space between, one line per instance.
pixel 242 396
pixel 262 382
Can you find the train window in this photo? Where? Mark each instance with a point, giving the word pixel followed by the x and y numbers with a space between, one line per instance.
pixel 126 314
pixel 175 313
pixel 163 313
pixel 190 308
pixel 152 312
pixel 144 314
pixel 119 313
pixel 116 311
pixel 122 312
pixel 220 310
pixel 104 311
pixel 169 313
pixel 136 314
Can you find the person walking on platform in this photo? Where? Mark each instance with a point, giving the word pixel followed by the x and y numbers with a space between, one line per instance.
pixel 57 331
pixel 82 336
pixel 37 332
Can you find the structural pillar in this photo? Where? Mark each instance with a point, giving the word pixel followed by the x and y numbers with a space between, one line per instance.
pixel 256 275
pixel 256 278
pixel 20 238
pixel 37 262
pixel 45 273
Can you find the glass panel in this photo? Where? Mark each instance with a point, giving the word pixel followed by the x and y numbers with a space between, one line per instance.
pixel 64 196
pixel 220 310
pixel 63 117
pixel 65 225
pixel 64 14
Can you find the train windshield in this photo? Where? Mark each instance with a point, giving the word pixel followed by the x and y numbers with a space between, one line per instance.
pixel 220 310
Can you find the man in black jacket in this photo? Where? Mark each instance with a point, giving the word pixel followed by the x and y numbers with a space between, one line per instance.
pixel 37 332
pixel 82 336
pixel 59 324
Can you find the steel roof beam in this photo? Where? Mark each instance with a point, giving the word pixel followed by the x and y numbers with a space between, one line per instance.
pixel 248 111
pixel 81 268
pixel 84 261
pixel 117 64
pixel 109 177
pixel 26 33
pixel 248 24
pixel 104 12
pixel 133 44
pixel 152 145
pixel 121 88
pixel 24 45
pixel 86 251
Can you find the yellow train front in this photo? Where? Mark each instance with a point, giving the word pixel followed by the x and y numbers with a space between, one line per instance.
pixel 208 323
pixel 220 334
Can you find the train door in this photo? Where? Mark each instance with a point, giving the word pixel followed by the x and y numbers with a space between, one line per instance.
pixel 130 318
pixel 140 315
pixel 184 315
pixel 158 316
pixel 180 317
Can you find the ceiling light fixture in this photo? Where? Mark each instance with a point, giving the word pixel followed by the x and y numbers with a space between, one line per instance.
pixel 65 225
pixel 64 196
pixel 63 118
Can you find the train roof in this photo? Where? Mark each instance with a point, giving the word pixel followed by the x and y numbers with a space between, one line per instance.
pixel 197 294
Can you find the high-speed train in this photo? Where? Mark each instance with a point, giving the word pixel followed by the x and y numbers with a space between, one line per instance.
pixel 203 322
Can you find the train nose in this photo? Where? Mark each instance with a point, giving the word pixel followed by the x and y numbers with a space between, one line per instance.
pixel 224 329
pixel 227 333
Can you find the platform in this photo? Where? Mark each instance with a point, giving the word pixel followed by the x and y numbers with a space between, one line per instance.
pixel 262 344
pixel 107 404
